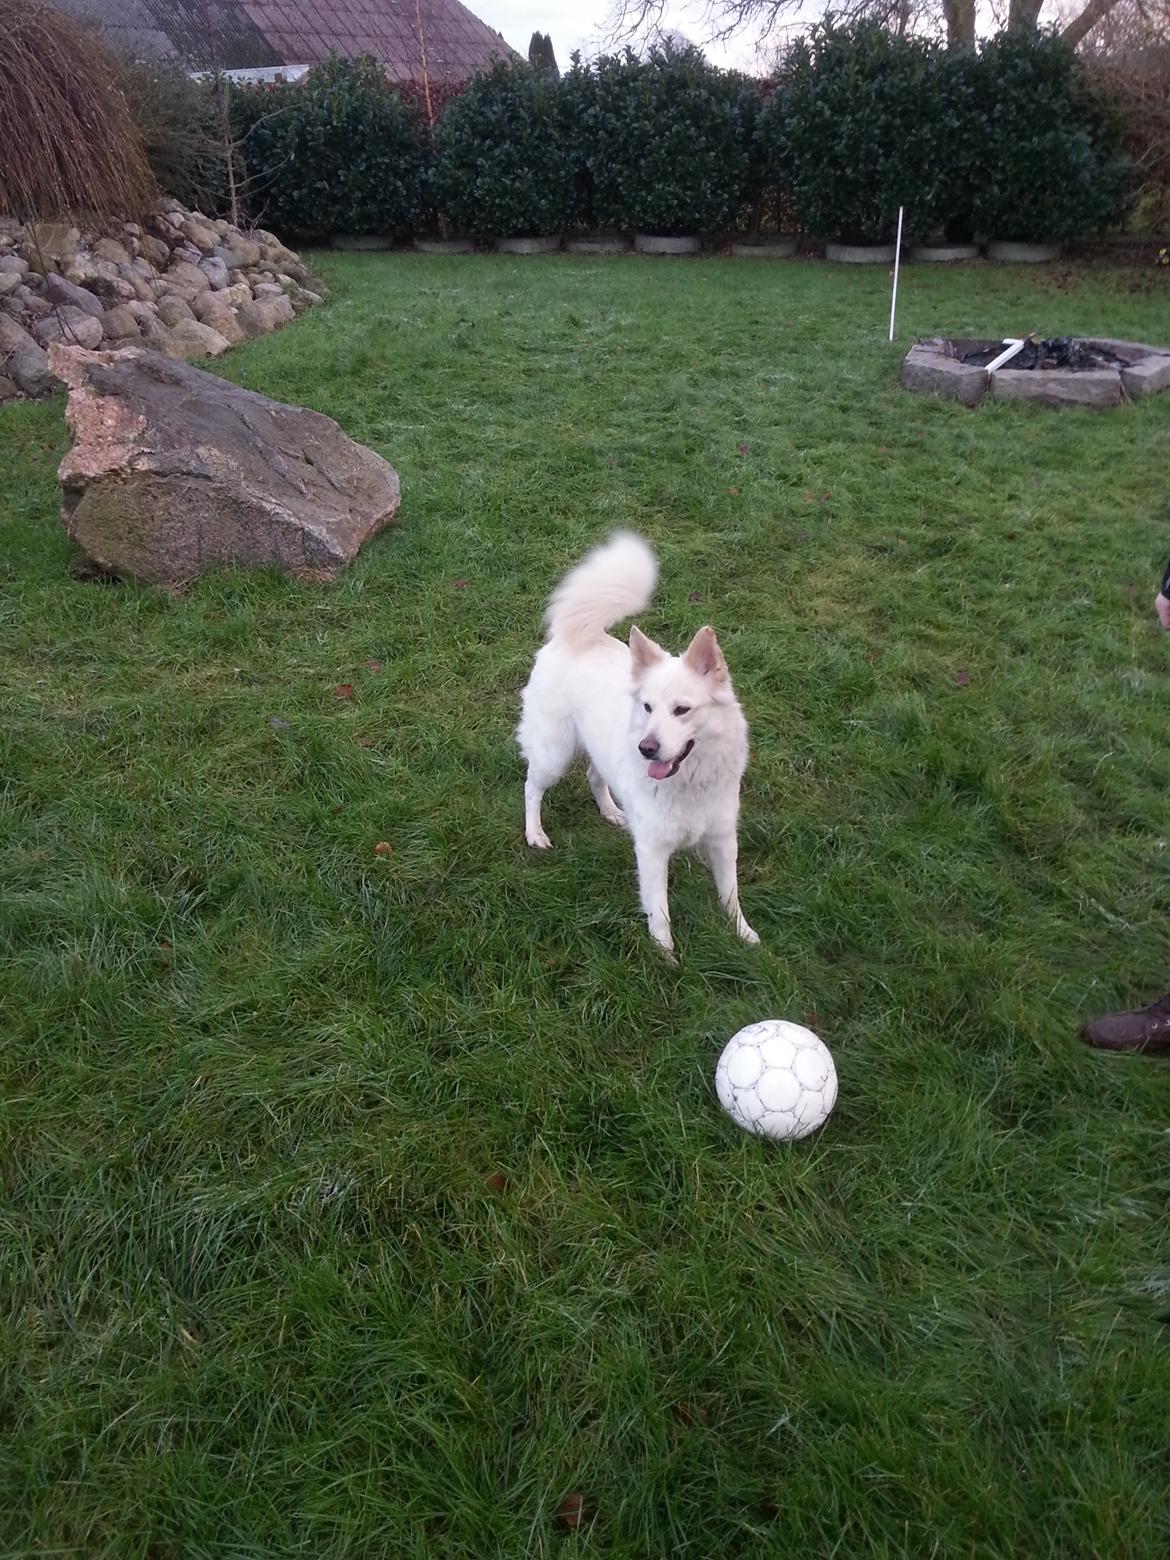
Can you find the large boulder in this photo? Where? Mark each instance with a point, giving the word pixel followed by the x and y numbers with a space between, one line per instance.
pixel 174 472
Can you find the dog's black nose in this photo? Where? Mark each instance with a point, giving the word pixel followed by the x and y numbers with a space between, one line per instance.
pixel 648 748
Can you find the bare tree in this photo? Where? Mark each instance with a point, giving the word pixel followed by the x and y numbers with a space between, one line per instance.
pixel 643 20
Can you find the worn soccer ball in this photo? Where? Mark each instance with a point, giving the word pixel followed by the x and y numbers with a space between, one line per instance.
pixel 777 1079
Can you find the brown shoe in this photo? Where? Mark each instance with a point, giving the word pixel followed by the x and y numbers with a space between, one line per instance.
pixel 1146 1029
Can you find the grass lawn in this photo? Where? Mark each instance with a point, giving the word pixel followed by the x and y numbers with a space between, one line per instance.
pixel 370 1205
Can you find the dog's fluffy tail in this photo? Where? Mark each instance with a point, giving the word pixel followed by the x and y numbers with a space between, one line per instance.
pixel 612 582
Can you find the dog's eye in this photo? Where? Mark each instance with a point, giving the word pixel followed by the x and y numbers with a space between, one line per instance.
pixel 682 709
pixel 646 707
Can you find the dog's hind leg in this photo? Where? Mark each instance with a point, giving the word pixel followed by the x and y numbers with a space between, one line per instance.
pixel 549 754
pixel 606 805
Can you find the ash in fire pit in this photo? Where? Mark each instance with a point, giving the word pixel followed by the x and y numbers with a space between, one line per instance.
pixel 1060 371
pixel 1056 352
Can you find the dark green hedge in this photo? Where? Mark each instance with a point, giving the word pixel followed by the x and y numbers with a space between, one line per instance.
pixel 1051 163
pixel 504 162
pixel 339 153
pixel 841 125
pixel 664 144
pixel 1012 141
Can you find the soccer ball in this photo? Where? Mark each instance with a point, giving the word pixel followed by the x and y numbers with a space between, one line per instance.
pixel 776 1079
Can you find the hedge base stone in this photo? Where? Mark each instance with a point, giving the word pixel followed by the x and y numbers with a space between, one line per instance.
pixel 667 244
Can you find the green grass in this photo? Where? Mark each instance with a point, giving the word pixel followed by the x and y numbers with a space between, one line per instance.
pixel 258 1295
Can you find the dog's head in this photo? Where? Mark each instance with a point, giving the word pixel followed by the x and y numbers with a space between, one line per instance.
pixel 677 698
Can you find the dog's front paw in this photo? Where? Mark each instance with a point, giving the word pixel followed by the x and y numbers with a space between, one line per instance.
pixel 617 818
pixel 745 931
pixel 538 839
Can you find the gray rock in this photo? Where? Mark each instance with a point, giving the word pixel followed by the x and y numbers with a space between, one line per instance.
pixel 58 290
pixel 268 290
pixel 9 282
pixel 9 389
pixel 22 359
pixel 156 251
pixel 1147 377
pixel 110 249
pixel 32 303
pixel 927 369
pixel 14 263
pixel 220 317
pixel 239 254
pixel 118 324
pixel 109 290
pixel 215 271
pixel 1057 387
pixel 30 369
pixel 265 315
pixel 50 244
pixel 183 274
pixel 200 235
pixel 190 339
pixel 157 336
pixel 172 309
pixel 174 472
pixel 66 323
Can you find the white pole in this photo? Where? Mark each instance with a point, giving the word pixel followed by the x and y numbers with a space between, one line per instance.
pixel 1011 345
pixel 897 262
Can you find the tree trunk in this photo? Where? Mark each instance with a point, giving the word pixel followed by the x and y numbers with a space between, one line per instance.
pixel 960 18
pixel 1082 25
pixel 1024 13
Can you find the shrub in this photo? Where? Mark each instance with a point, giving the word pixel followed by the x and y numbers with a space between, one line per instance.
pixel 69 143
pixel 178 120
pixel 665 142
pixel 340 153
pixel 950 151
pixel 1138 82
pixel 503 163
pixel 850 128
pixel 1053 164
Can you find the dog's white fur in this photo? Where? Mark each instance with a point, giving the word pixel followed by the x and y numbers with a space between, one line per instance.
pixel 590 692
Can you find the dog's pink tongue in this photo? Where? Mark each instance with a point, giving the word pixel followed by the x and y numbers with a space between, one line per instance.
pixel 658 770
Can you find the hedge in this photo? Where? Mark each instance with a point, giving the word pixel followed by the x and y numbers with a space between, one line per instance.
pixel 503 163
pixel 1012 141
pixel 663 144
pixel 339 153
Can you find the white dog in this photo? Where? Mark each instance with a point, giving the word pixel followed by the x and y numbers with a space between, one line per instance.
pixel 663 734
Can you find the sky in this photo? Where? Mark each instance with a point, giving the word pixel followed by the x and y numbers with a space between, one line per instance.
pixel 580 24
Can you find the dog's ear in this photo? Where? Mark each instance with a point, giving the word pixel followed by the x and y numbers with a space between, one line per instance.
pixel 704 656
pixel 644 651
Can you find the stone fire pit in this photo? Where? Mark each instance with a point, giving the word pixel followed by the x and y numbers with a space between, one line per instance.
pixel 1062 372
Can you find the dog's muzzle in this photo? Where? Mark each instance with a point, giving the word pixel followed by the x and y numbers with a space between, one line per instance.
pixel 661 769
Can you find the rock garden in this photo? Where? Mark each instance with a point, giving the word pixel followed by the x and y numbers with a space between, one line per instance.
pixel 179 283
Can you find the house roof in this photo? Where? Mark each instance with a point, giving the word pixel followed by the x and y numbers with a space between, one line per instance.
pixel 251 34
